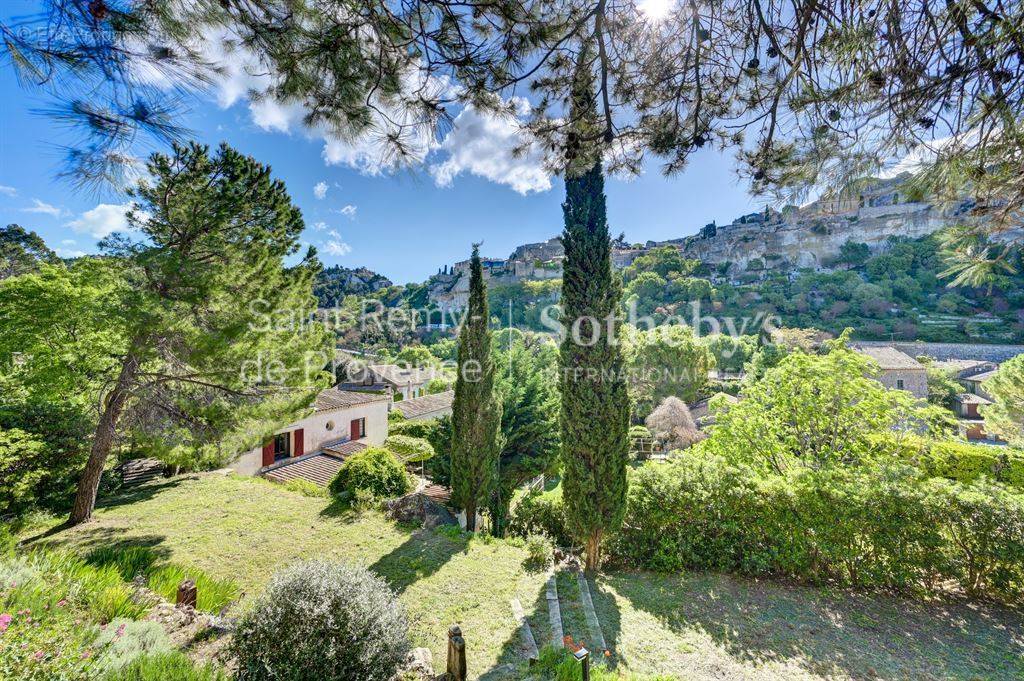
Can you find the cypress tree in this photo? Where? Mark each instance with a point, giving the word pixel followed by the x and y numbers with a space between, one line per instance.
pixel 595 402
pixel 476 413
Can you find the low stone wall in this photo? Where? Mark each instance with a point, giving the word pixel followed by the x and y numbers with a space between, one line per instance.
pixel 946 351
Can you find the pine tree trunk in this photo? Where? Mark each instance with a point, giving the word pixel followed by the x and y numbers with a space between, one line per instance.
pixel 102 443
pixel 593 553
pixel 470 517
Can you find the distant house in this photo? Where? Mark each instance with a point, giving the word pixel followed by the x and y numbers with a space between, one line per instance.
pixel 402 383
pixel 971 374
pixel 426 407
pixel 701 410
pixel 898 370
pixel 342 420
pixel 975 383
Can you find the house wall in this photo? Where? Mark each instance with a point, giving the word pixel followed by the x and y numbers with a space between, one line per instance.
pixel 316 433
pixel 915 381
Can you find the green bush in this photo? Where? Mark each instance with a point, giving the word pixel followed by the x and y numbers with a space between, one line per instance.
pixel 122 641
pixel 169 666
pixel 541 513
pixel 409 449
pixel 129 561
pixel 965 462
pixel 374 470
pixel 320 620
pixel 879 526
pixel 558 664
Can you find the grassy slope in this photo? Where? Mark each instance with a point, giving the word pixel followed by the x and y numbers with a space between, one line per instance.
pixel 697 627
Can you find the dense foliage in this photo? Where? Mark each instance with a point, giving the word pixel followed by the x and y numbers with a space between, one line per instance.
pixel 526 382
pixel 476 410
pixel 595 399
pixel 155 336
pixel 319 620
pixel 22 251
pixel 1006 414
pixel 374 470
pixel 873 526
pixel 334 283
pixel 815 411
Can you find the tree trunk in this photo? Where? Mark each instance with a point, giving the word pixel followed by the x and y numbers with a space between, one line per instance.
pixel 593 552
pixel 102 442
pixel 471 517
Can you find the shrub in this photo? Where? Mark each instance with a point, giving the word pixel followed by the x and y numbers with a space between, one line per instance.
pixel 129 561
pixel 122 641
pixel 967 462
pixel 168 666
pixel 409 449
pixel 320 620
pixel 374 470
pixel 20 470
pixel 538 551
pixel 879 526
pixel 541 513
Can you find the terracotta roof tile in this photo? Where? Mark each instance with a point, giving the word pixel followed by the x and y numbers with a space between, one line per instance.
pixel 332 398
pixel 426 404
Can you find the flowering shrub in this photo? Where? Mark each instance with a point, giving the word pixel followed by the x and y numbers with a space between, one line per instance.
pixel 320 620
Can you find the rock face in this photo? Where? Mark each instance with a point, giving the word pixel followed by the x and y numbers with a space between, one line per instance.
pixel 333 283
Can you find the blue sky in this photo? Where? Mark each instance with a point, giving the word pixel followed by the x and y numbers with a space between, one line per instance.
pixel 404 225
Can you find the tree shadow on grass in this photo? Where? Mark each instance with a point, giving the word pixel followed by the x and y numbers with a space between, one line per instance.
pixel 512 663
pixel 143 492
pixel 423 553
pixel 827 632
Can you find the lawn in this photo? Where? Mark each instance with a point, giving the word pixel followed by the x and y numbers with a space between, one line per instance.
pixel 698 626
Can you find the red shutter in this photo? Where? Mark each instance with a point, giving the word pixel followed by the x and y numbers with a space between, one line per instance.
pixel 297 443
pixel 268 453
pixel 354 432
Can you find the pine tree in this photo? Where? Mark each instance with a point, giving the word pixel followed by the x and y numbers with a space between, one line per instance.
pixel 595 402
pixel 476 413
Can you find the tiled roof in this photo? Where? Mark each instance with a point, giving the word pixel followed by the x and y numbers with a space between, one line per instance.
pixel 968 398
pixel 396 375
pixel 980 378
pixel 332 398
pixel 344 449
pixel 427 404
pixel 889 358
pixel 318 469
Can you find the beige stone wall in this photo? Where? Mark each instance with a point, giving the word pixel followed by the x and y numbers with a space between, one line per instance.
pixel 316 432
pixel 914 381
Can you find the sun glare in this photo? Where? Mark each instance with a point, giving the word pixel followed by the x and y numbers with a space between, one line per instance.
pixel 655 10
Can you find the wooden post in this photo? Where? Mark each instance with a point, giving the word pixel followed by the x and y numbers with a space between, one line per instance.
pixel 187 594
pixel 583 657
pixel 456 654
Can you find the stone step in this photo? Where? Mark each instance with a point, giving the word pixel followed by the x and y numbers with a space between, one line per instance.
pixel 525 632
pixel 596 635
pixel 555 614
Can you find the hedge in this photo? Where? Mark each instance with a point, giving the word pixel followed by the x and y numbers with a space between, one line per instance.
pixel 886 526
pixel 374 470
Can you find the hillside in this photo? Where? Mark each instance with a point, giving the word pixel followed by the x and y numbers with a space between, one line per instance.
pixel 334 283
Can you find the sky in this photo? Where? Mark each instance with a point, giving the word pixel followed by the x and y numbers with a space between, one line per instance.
pixel 403 224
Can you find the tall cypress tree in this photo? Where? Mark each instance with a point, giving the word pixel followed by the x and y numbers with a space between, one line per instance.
pixel 476 413
pixel 595 401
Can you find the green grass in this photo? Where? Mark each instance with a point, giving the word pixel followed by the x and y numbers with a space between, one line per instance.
pixel 699 626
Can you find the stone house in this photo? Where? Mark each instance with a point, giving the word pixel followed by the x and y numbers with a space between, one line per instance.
pixel 342 421
pixel 898 370
pixel 427 407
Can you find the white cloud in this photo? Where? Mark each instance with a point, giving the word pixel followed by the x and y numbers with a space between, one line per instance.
pixel 483 145
pixel 103 220
pixel 44 208
pixel 320 190
pixel 69 253
pixel 8 191
pixel 335 246
pixel 68 242
pixel 319 226
pixel 349 211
